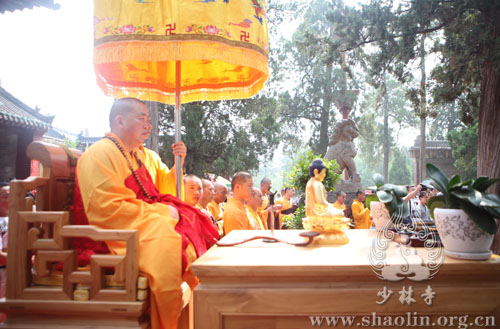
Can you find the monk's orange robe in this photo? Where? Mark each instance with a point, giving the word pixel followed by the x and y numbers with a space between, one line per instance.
pixel 215 209
pixel 286 204
pixel 235 216
pixel 254 218
pixel 109 204
pixel 262 211
pixel 337 205
pixel 361 215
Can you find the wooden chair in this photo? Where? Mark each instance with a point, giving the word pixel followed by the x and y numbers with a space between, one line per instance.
pixel 37 297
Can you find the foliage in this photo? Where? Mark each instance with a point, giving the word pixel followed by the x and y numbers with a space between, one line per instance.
pixel 310 106
pixel 463 144
pixel 393 198
pixel 465 34
pixel 294 221
pixel 468 195
pixel 223 137
pixel 399 171
pixel 299 175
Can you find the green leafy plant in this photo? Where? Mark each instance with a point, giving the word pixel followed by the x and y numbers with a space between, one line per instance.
pixel 294 222
pixel 393 198
pixel 470 196
pixel 299 175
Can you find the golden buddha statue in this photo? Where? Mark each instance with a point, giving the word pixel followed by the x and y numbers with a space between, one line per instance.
pixel 322 216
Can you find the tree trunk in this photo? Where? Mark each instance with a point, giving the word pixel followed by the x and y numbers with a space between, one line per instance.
pixel 488 149
pixel 386 144
pixel 152 141
pixel 423 111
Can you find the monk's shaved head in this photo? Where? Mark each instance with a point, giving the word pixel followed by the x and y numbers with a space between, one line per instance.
pixel 205 182
pixel 240 178
pixel 122 106
pixel 220 192
pixel 265 181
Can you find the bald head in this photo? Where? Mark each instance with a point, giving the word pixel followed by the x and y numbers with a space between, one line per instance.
pixel 256 200
pixel 122 106
pixel 220 192
pixel 241 185
pixel 265 185
pixel 208 192
pixel 192 189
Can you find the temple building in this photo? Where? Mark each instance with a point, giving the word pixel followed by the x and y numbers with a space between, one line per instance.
pixel 19 126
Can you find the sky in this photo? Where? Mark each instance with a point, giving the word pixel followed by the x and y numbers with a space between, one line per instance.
pixel 46 61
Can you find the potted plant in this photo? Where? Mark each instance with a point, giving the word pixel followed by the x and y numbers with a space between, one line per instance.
pixel 387 205
pixel 465 215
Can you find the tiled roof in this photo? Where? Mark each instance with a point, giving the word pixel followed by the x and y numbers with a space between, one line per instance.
pixel 11 5
pixel 15 113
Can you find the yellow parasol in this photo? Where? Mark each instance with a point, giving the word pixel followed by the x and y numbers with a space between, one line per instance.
pixel 179 51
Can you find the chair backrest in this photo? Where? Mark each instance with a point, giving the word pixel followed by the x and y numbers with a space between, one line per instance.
pixel 58 166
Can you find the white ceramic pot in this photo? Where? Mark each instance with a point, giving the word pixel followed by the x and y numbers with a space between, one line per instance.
pixel 380 215
pixel 461 237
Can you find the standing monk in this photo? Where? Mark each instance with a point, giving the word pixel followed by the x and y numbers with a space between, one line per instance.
pixel 121 185
pixel 220 196
pixel 264 210
pixel 340 202
pixel 235 213
pixel 361 214
pixel 208 194
pixel 252 205
pixel 215 206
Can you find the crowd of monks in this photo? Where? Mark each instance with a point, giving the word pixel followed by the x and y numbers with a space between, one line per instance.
pixel 242 207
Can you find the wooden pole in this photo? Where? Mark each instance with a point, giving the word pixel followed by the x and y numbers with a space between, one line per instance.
pixel 177 120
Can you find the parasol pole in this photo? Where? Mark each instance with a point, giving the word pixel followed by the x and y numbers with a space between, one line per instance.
pixel 177 120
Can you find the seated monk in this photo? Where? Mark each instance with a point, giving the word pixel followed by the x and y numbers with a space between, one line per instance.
pixel 193 195
pixel 235 215
pixel 321 215
pixel 123 186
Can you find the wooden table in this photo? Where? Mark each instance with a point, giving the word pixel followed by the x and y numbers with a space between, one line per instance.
pixel 274 285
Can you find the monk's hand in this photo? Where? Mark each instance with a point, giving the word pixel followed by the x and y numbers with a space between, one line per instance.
pixel 277 207
pixel 179 149
pixel 173 212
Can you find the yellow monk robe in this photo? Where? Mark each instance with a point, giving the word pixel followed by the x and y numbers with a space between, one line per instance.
pixel 337 205
pixel 235 216
pixel 109 204
pixel 254 217
pixel 286 204
pixel 263 213
pixel 215 209
pixel 361 215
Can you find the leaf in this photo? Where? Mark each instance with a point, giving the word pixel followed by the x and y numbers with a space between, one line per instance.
pixel 466 193
pixel 436 204
pixel 454 182
pixel 428 183
pixel 400 191
pixel 436 198
pixel 378 179
pixel 484 183
pixel 481 217
pixel 490 200
pixel 438 177
pixel 369 199
pixel 384 196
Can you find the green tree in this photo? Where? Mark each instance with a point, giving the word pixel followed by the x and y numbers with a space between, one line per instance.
pixel 310 107
pixel 463 147
pixel 399 172
pixel 469 70
pixel 223 137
